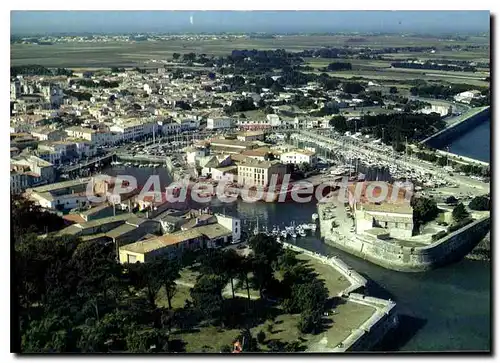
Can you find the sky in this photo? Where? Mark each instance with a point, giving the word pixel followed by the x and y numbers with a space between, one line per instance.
pixel 31 22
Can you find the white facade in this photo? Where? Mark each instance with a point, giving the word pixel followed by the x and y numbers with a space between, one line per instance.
pixel 132 130
pixel 274 120
pixel 63 201
pixel 467 96
pixel 189 124
pixel 231 223
pixel 170 127
pixel 194 154
pixel 219 123
pixel 18 182
pixel 260 173
pixel 220 175
pixel 298 157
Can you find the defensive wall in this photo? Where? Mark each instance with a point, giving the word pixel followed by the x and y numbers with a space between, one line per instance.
pixel 394 256
pixel 374 329
pixel 465 122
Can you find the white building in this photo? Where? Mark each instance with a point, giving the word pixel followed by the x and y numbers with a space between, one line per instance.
pixel 442 110
pixel 467 96
pixel 298 157
pixel 189 124
pixel 193 154
pixel 169 127
pixel 250 136
pixel 254 172
pixel 128 130
pixel 231 223
pixel 274 120
pixel 219 123
pixel 45 133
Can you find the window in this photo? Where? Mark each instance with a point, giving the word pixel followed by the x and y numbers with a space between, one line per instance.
pixel 131 258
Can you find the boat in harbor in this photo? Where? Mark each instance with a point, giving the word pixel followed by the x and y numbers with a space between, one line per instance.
pixel 256 229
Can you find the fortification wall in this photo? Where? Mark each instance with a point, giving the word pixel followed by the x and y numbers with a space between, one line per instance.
pixel 409 259
pixel 447 135
pixel 374 329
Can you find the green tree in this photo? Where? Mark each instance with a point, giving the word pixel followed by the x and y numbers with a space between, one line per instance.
pixel 168 271
pixel 480 203
pixel 244 269
pixel 147 340
pixel 339 123
pixel 27 216
pixel 451 200
pixel 399 147
pixel 51 334
pixel 424 210
pixel 459 213
pixel 231 264
pixel 266 246
pixel 268 110
pixel 207 295
pixel 310 321
pixel 145 279
pixel 393 90
pixel 307 296
pixel 442 161
pixel 175 56
pixel 352 87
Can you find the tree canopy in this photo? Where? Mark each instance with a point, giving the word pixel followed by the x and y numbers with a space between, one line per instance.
pixel 480 203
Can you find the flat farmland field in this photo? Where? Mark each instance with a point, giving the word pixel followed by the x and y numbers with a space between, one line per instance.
pixel 130 54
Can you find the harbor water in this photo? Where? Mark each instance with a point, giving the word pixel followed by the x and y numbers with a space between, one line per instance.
pixel 475 143
pixel 446 309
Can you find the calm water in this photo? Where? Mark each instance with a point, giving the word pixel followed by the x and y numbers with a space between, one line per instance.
pixel 445 309
pixel 474 144
pixel 442 310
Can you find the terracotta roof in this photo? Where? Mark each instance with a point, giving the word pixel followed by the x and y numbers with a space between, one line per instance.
pixel 74 218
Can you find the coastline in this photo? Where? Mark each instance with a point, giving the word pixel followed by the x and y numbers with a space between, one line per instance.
pixel 375 328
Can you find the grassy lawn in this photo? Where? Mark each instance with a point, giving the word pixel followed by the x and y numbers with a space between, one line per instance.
pixel 334 281
pixel 283 327
pixel 348 316
pixel 189 275
pixel 178 300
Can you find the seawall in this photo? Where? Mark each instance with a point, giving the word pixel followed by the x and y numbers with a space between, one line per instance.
pixel 374 329
pixel 409 259
pixel 471 120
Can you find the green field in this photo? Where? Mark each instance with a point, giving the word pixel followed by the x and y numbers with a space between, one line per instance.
pixel 382 71
pixel 129 54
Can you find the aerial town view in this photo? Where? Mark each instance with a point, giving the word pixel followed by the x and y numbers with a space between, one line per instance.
pixel 250 181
